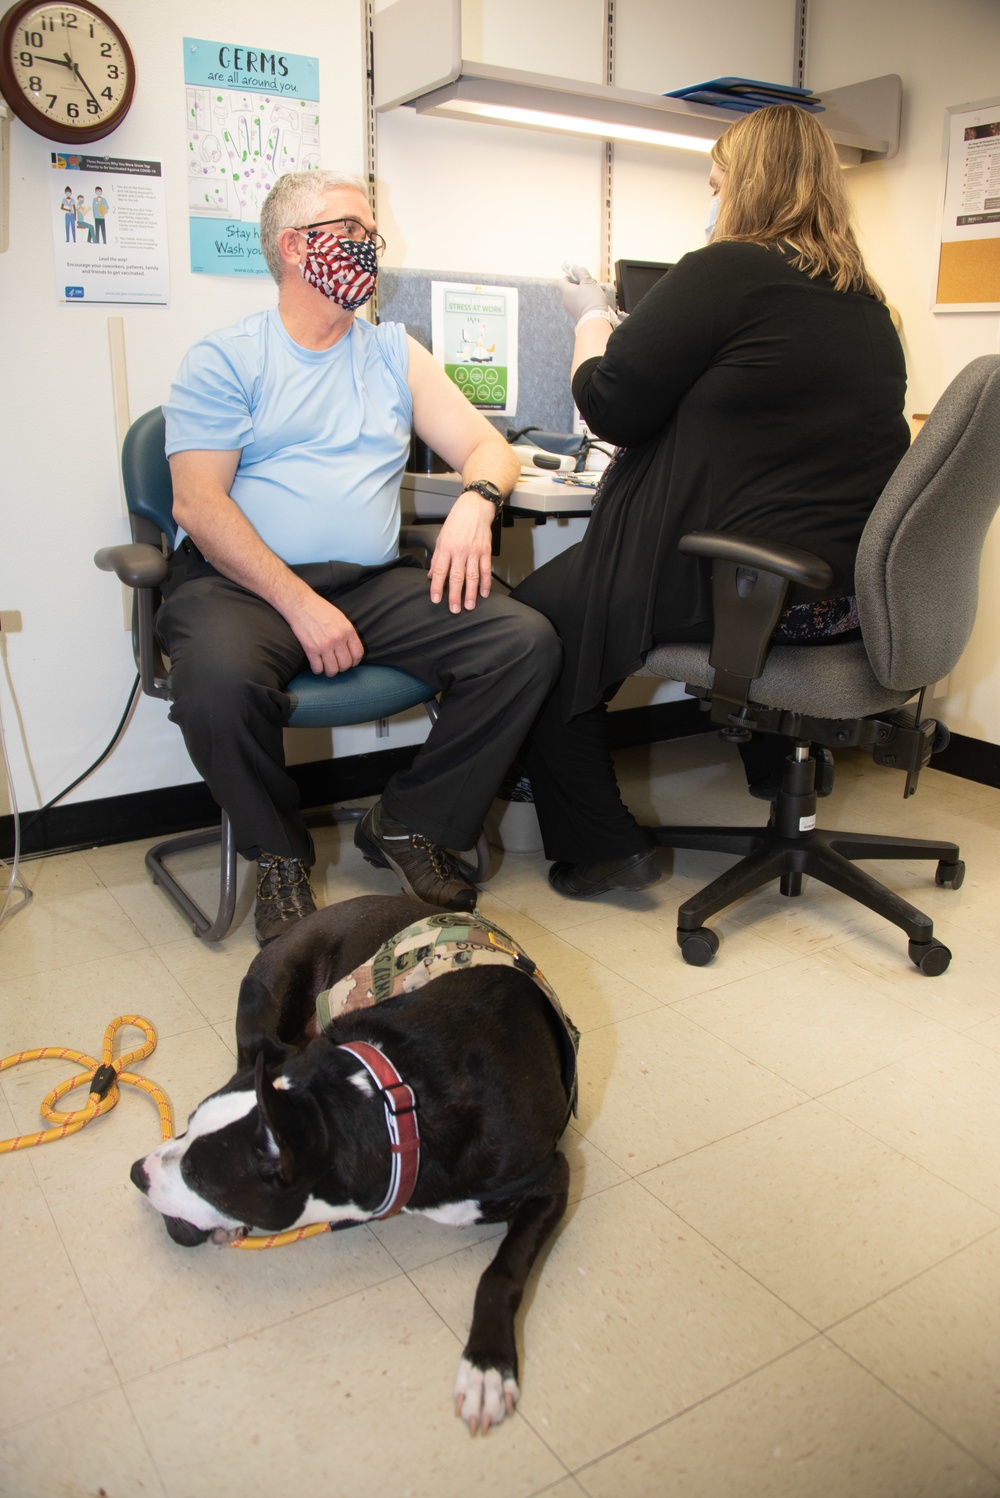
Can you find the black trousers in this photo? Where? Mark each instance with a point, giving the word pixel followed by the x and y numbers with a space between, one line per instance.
pixel 232 655
pixel 581 815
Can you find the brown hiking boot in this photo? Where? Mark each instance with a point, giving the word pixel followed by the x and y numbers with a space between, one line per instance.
pixel 423 868
pixel 284 896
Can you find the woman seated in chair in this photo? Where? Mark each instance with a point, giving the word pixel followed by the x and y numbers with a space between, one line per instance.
pixel 757 388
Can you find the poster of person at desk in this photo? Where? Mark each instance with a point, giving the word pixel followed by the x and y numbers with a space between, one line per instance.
pixel 474 336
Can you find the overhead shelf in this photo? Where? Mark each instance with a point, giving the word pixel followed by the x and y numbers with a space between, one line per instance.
pixel 419 63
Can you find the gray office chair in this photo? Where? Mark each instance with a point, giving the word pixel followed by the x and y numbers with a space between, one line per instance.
pixel 365 694
pixel 917 583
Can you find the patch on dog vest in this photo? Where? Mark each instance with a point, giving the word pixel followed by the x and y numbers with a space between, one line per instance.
pixel 439 944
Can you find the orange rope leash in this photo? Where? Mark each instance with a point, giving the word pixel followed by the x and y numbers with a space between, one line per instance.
pixel 104 1077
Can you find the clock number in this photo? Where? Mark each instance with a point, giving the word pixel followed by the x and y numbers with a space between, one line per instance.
pixel 35 84
pixel 33 39
pixel 112 70
pixel 52 100
pixel 72 110
pixel 25 59
pixel 105 49
pixel 106 93
pixel 93 107
pixel 68 19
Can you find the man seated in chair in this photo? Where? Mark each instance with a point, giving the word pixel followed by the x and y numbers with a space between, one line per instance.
pixel 287 436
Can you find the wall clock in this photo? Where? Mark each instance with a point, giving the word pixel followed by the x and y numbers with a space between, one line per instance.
pixel 65 70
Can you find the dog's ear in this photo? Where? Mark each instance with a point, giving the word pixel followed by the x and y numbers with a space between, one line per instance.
pixel 277 1134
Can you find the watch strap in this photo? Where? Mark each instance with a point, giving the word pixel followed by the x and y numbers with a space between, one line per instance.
pixel 488 491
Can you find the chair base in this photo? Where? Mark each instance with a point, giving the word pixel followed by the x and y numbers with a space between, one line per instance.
pixel 782 851
pixel 215 928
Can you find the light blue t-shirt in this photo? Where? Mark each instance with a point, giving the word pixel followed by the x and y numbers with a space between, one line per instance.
pixel 323 436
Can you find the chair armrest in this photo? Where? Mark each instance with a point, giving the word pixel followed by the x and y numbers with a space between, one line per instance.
pixel 750 582
pixel 791 562
pixel 136 563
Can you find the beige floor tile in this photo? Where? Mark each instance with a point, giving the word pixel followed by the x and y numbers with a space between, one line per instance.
pixel 643 949
pixel 53 1347
pixel 655 1087
pixel 936 1342
pixel 57 930
pixel 967 993
pixel 187 1067
pixel 412 1241
pixel 47 1009
pixel 813 1024
pixel 817 1210
pixel 593 993
pixel 365 1381
pixel 987 1033
pixel 941 1108
pixel 162 1304
pixel 524 885
pixel 632 1318
pixel 655 1361
pixel 89 1447
pixel 210 973
pixel 59 876
pixel 812 1425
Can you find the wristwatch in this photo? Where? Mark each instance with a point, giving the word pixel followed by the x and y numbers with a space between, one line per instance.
pixel 488 491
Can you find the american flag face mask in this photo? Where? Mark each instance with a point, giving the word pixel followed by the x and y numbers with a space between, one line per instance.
pixel 342 269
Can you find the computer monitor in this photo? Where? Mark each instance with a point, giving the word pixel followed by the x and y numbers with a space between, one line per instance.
pixel 633 278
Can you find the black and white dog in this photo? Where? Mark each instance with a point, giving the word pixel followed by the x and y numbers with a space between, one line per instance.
pixel 446 1098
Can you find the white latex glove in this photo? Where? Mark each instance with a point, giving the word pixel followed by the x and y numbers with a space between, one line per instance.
pixel 581 294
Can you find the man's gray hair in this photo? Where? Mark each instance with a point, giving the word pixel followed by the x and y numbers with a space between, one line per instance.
pixel 296 198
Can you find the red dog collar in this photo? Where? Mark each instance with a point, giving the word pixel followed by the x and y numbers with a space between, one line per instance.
pixel 401 1117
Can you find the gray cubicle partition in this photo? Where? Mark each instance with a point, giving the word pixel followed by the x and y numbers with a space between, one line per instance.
pixel 545 338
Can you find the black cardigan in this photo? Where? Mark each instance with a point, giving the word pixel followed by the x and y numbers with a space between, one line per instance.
pixel 746 397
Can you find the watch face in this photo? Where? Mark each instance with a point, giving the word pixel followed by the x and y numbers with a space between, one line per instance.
pixel 65 70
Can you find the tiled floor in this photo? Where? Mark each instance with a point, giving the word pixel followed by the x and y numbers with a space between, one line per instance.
pixel 778 1275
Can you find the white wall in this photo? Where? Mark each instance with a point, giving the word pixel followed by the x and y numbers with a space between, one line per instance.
pixel 451 196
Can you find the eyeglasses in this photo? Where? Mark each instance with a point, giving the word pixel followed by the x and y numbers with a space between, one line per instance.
pixel 347 228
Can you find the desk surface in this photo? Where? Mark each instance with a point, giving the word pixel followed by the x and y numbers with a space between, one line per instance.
pixel 429 496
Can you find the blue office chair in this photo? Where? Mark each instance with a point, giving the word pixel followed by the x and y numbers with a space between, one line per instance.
pixel 365 694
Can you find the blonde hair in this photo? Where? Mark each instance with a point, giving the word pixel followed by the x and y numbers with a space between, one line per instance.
pixel 784 185
pixel 293 200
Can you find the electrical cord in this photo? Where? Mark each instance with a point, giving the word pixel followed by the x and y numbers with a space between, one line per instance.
pixel 20 825
pixel 15 881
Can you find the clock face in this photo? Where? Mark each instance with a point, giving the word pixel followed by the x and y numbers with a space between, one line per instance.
pixel 65 70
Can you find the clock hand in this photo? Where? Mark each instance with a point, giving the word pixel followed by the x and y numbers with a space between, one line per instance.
pixel 56 61
pixel 76 71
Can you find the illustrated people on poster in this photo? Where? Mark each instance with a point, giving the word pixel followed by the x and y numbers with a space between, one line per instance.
pixel 101 209
pixel 82 221
pixel 69 214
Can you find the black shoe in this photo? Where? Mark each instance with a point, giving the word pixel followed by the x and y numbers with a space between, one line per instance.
pixel 284 896
pixel 637 871
pixel 424 869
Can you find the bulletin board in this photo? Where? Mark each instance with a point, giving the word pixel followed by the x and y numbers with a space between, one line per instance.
pixel 968 276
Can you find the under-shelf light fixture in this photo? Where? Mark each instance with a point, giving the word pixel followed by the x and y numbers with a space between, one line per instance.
pixel 603 113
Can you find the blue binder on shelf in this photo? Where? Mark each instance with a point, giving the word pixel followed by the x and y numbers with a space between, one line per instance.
pixel 746 94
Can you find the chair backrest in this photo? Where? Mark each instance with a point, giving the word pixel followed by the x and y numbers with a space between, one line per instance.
pixel 917 572
pixel 146 477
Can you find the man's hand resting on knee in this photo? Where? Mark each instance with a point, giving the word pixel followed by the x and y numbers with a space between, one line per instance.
pixel 327 636
pixel 462 559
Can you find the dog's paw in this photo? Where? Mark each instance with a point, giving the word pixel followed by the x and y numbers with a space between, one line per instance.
pixel 483 1396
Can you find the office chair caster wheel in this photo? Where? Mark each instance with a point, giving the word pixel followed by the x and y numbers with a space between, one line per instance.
pixel 931 957
pixel 950 873
pixel 941 739
pixel 698 947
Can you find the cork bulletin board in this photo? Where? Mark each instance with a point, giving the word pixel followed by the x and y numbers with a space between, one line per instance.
pixel 968 274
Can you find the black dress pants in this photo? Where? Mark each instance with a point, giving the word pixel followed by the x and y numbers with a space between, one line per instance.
pixel 232 655
pixel 581 815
